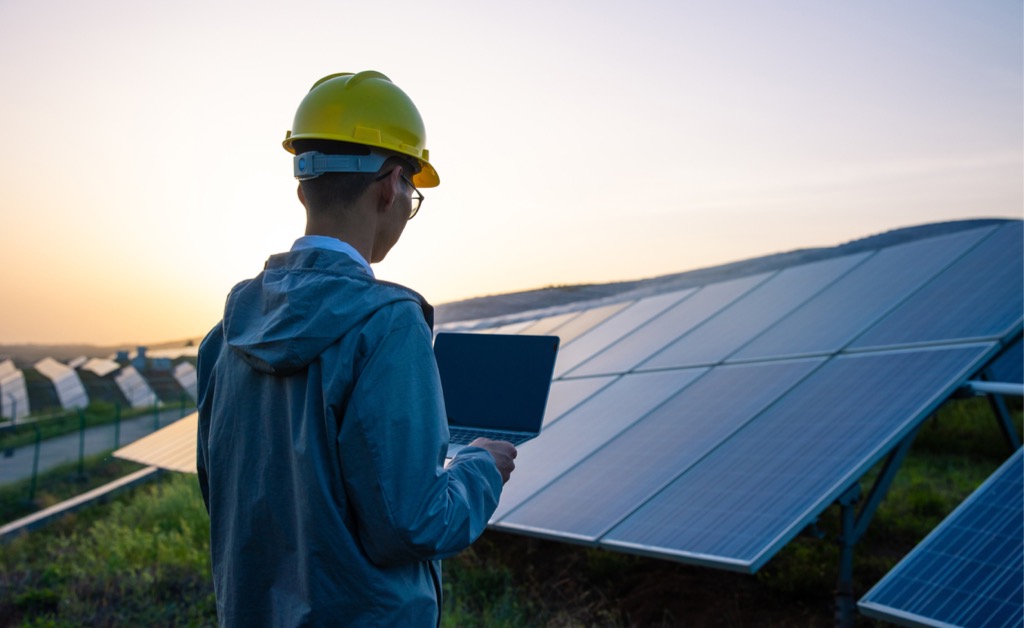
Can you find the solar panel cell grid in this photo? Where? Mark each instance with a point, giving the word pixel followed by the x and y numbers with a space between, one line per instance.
pixel 509 328
pixel 763 485
pixel 566 394
pixel 667 326
pixel 544 326
pixel 970 570
pixel 588 319
pixel 607 486
pixel 979 296
pixel 613 328
pixel 733 327
pixel 834 317
pixel 585 428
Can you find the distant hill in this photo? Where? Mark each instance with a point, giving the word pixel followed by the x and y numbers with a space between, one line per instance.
pixel 506 304
pixel 25 355
pixel 512 303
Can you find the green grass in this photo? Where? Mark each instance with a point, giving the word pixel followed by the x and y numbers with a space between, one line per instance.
pixel 143 560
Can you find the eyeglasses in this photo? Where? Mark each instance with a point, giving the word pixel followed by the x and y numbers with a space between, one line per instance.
pixel 416 199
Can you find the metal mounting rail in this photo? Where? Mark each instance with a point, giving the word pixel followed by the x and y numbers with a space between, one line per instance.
pixel 979 387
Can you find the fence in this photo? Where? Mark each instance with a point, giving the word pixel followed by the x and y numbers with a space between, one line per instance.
pixel 66 439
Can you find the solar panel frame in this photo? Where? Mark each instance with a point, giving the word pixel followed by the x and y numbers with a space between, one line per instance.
pixel 968 544
pixel 1009 366
pixel 708 545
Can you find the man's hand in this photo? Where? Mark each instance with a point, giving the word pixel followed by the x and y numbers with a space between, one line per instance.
pixel 503 452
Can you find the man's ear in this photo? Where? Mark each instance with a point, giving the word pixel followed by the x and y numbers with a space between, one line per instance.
pixel 302 196
pixel 389 188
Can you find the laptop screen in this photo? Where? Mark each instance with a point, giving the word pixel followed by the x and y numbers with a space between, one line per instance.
pixel 495 381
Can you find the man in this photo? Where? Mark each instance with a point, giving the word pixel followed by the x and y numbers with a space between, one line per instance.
pixel 322 432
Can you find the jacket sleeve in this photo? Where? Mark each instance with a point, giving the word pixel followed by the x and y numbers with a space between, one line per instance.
pixel 408 507
pixel 208 351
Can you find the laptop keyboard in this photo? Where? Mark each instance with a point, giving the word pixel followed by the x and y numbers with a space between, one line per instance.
pixel 464 436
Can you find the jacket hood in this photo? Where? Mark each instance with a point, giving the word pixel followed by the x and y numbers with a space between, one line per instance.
pixel 300 304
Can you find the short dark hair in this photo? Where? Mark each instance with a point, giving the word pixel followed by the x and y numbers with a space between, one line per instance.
pixel 341 188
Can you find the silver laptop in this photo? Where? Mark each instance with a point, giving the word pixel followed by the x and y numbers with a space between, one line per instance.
pixel 495 385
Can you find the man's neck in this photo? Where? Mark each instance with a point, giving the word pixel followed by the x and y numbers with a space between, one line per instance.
pixel 358 236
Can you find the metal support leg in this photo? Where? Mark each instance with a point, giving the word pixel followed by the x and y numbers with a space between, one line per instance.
pixel 854 524
pixel 845 604
pixel 1005 421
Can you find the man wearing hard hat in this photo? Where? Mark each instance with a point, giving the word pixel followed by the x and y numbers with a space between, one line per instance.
pixel 322 432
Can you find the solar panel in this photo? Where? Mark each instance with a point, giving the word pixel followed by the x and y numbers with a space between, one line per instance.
pixel 134 388
pixel 567 394
pixel 618 478
pixel 172 447
pixel 573 329
pixel 100 366
pixel 667 326
pixel 979 296
pixel 585 428
pixel 970 570
pixel 736 508
pixel 614 328
pixel 544 326
pixel 834 317
pixel 66 383
pixel 756 311
pixel 508 328
pixel 14 402
pixel 185 375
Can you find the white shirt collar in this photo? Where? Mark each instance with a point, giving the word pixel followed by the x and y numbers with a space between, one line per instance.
pixel 331 244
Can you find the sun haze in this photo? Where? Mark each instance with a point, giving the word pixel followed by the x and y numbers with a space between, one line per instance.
pixel 142 175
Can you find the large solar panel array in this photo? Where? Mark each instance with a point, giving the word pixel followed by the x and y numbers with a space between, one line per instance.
pixel 712 424
pixel 970 570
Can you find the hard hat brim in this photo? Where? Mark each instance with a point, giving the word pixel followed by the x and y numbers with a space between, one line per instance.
pixel 426 177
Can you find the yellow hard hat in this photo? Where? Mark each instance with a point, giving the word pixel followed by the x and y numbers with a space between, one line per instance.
pixel 364 108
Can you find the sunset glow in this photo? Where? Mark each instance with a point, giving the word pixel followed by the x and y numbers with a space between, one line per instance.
pixel 141 173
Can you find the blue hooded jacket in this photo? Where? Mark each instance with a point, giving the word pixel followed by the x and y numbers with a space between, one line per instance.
pixel 322 440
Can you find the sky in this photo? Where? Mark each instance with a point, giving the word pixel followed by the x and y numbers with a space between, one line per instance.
pixel 142 174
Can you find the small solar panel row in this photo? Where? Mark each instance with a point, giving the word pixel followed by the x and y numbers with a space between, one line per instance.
pixel 970 570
